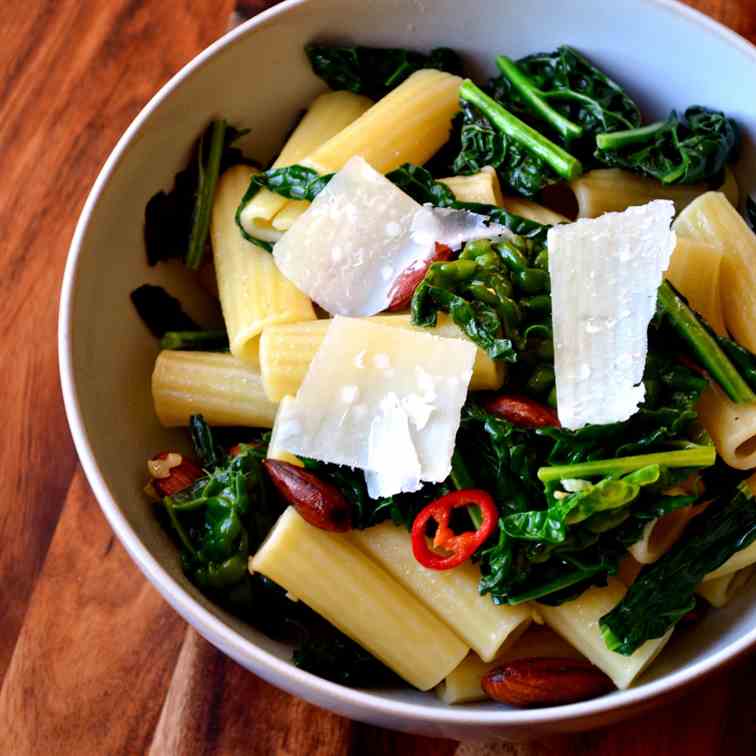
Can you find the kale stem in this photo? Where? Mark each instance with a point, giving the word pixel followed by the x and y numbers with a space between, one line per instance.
pixel 704 346
pixel 696 456
pixel 534 97
pixel 461 479
pixel 564 164
pixel 212 340
pixel 616 140
pixel 208 178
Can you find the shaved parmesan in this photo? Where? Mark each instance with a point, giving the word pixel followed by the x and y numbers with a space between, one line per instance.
pixel 605 273
pixel 347 250
pixel 384 400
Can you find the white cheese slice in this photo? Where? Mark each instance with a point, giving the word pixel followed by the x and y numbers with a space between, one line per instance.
pixel 381 399
pixel 360 234
pixel 605 273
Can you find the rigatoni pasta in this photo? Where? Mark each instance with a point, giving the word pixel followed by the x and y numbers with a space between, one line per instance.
pixel 720 591
pixel 330 574
pixel 452 594
pixel 221 388
pixel 732 427
pixel 253 292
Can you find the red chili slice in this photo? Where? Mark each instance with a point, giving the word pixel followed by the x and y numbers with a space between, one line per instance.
pixel 460 546
pixel 522 412
pixel 404 288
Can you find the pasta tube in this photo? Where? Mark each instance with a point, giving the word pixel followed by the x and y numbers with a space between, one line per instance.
pixel 462 685
pixel 253 292
pixel 479 187
pixel 216 385
pixel 451 594
pixel 577 622
pixel 612 190
pixel 713 220
pixel 661 534
pixel 287 351
pixel 333 577
pixel 694 270
pixel 275 449
pixel 721 590
pixel 327 115
pixel 731 426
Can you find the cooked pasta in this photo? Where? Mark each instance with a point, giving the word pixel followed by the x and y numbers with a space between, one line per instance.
pixel 720 591
pixel 452 594
pixel 661 534
pixel 694 270
pixel 253 292
pixel 327 115
pixel 330 574
pixel 713 220
pixel 577 622
pixel 605 190
pixel 478 187
pixel 224 390
pixel 732 427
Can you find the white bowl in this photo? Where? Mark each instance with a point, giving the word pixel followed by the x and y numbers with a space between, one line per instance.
pixel 258 76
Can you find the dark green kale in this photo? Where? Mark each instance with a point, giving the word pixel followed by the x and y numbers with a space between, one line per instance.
pixel 664 590
pixel 565 94
pixel 525 160
pixel 683 150
pixel 498 294
pixel 750 212
pixel 375 71
pixel 160 312
pixel 729 364
pixel 176 222
pixel 206 341
pixel 421 186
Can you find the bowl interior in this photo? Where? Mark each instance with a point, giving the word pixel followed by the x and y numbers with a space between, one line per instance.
pixel 667 56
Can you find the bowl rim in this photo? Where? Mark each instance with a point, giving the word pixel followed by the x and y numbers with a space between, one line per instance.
pixel 216 630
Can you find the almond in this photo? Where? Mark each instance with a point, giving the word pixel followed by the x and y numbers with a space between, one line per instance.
pixel 404 288
pixel 319 503
pixel 173 477
pixel 544 681
pixel 522 412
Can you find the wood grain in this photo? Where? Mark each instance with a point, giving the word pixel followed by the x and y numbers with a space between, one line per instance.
pixel 91 660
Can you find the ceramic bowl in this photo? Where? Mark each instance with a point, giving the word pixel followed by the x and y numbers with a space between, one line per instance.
pixel 257 75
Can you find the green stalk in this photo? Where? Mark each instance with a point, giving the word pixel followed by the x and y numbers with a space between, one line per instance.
pixel 208 178
pixel 616 140
pixel 461 479
pixel 210 341
pixel 704 346
pixel 564 164
pixel 696 456
pixel 534 97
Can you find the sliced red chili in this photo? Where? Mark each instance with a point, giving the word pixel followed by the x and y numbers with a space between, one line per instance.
pixel 458 547
pixel 522 412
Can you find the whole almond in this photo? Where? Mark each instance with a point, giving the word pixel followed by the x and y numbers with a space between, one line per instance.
pixel 319 503
pixel 404 288
pixel 522 411
pixel 542 681
pixel 179 477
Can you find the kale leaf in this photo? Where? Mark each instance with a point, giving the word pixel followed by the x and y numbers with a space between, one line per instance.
pixel 750 212
pixel 421 186
pixel 375 71
pixel 664 590
pixel 160 312
pixel 176 222
pixel 680 150
pixel 567 95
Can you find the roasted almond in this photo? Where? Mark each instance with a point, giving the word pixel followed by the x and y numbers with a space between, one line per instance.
pixel 319 503
pixel 522 412
pixel 171 473
pixel 542 681
pixel 404 288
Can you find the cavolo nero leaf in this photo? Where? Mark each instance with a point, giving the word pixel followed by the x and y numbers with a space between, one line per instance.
pixel 566 94
pixel 375 71
pixel 679 150
pixel 176 222
pixel 750 212
pixel 160 312
pixel 664 590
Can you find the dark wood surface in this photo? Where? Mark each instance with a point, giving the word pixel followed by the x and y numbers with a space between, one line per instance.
pixel 92 661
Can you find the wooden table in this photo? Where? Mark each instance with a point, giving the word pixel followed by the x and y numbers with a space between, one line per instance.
pixel 92 661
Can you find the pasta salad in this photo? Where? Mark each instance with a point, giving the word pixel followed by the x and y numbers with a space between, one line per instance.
pixel 481 417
